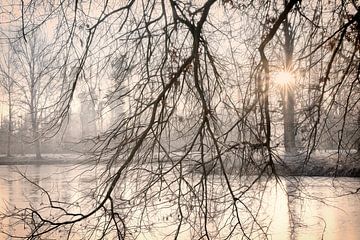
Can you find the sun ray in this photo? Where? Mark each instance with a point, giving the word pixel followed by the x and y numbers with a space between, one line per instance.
pixel 283 78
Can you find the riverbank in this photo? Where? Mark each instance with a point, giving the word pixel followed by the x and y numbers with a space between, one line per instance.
pixel 46 159
pixel 324 164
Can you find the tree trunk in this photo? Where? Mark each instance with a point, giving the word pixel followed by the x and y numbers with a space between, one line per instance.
pixel 37 142
pixel 358 129
pixel 38 149
pixel 8 152
pixel 289 120
pixel 288 94
pixel 35 133
pixel 22 140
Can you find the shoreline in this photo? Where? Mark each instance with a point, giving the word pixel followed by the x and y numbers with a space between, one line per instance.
pixel 332 165
pixel 47 159
pixel 343 166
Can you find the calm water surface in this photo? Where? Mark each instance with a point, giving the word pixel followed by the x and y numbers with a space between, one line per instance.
pixel 323 209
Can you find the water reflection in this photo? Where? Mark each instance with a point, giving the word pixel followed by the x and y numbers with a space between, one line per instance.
pixel 295 204
pixel 321 208
pixel 306 208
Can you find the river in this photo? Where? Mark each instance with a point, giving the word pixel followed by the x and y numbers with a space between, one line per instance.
pixel 317 208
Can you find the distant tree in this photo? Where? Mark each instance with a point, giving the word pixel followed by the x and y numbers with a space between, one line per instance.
pixel 8 84
pixel 36 80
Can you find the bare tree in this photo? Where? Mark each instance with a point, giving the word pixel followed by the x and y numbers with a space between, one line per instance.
pixel 8 83
pixel 36 81
pixel 197 123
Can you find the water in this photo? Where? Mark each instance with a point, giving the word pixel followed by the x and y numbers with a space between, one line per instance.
pixel 314 208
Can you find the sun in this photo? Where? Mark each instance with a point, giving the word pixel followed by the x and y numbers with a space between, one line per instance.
pixel 283 78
